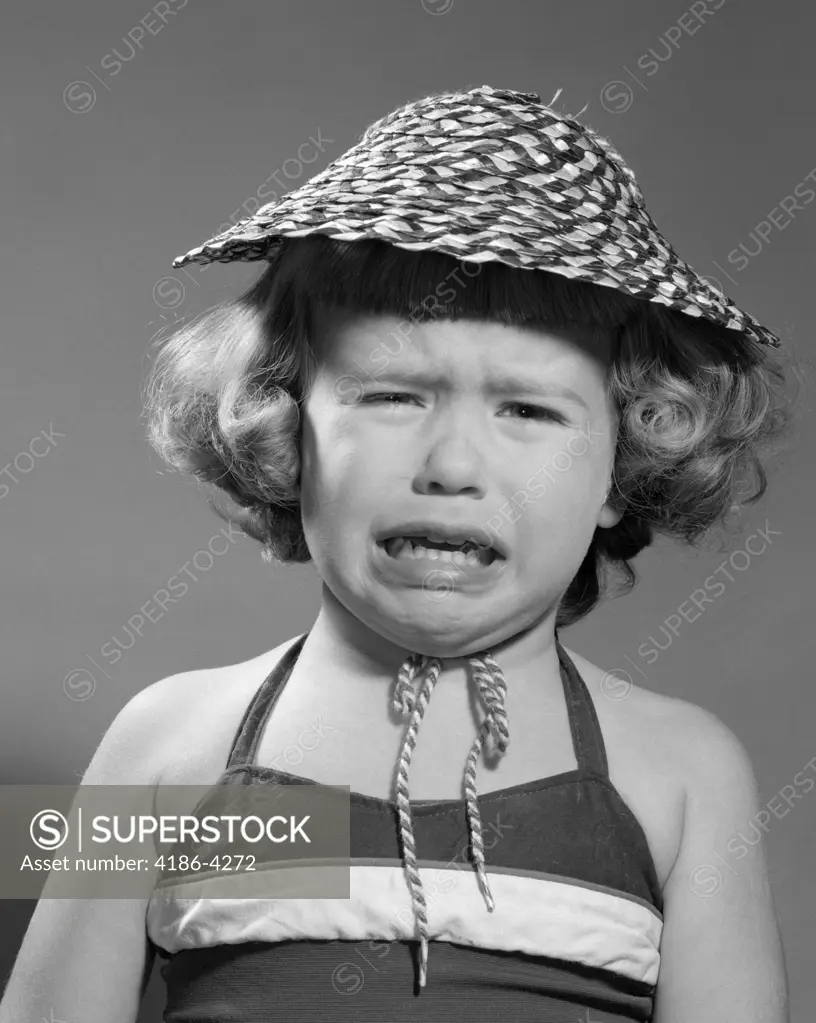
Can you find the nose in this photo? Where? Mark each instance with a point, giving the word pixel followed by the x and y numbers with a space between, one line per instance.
pixel 453 466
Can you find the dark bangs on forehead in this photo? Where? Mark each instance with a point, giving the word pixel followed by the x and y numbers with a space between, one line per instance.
pixel 376 277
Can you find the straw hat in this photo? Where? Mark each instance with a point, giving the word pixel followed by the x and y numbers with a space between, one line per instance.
pixel 490 174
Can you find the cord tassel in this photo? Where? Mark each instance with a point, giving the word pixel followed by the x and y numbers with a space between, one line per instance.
pixel 492 689
pixel 405 702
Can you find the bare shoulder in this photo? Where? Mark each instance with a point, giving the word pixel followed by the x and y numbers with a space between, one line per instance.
pixel 203 708
pixel 690 740
pixel 170 692
pixel 711 754
pixel 663 752
pixel 684 729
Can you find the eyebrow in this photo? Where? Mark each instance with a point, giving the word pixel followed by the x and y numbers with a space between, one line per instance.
pixel 499 383
pixel 509 384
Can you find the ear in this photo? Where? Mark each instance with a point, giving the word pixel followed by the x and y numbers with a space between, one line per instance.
pixel 609 514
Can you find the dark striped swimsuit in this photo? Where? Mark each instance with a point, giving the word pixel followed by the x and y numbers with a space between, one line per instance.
pixel 574 936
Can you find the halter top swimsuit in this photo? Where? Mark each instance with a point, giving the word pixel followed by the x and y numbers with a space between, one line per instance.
pixel 574 936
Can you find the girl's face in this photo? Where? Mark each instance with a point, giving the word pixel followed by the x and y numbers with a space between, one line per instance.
pixel 504 434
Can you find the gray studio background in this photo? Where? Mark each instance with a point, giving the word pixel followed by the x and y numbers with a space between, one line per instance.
pixel 118 157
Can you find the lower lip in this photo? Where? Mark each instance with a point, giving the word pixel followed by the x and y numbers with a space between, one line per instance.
pixel 436 576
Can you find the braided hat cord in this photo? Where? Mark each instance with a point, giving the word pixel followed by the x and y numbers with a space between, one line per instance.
pixel 492 688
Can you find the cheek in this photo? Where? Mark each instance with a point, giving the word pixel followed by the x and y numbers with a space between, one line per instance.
pixel 339 469
pixel 562 497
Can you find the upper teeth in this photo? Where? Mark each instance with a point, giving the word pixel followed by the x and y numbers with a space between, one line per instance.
pixel 409 547
pixel 442 539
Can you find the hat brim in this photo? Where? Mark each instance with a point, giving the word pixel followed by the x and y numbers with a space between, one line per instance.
pixel 622 261
pixel 490 175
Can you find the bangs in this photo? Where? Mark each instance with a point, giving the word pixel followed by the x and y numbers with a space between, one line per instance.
pixel 376 277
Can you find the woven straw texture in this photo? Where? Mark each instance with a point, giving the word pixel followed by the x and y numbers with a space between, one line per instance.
pixel 490 174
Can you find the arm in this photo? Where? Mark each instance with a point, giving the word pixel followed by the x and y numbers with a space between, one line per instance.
pixel 721 952
pixel 89 959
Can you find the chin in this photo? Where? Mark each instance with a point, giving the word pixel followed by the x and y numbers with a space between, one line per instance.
pixel 454 637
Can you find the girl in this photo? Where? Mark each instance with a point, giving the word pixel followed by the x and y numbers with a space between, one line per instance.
pixel 471 380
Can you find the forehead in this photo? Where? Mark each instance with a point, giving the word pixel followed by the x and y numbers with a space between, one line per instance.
pixel 454 345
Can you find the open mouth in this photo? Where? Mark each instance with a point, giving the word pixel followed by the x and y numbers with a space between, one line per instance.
pixel 416 547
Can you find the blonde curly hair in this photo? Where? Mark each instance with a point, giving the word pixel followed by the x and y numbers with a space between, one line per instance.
pixel 696 405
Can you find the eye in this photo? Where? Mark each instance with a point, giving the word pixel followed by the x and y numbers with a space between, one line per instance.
pixel 386 398
pixel 536 412
pixel 530 412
